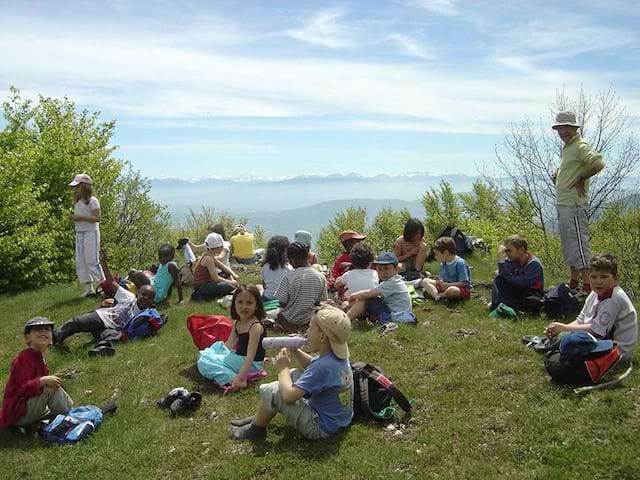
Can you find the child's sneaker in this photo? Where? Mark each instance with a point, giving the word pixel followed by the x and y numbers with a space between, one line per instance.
pixel 248 432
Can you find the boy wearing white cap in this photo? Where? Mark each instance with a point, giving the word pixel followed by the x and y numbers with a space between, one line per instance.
pixel 317 402
pixel 31 394
pixel 86 219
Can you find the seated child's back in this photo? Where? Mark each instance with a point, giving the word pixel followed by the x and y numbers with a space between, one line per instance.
pixel 360 277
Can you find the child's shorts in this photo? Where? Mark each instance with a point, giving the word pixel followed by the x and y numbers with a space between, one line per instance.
pixel 298 414
pixel 465 292
pixel 377 311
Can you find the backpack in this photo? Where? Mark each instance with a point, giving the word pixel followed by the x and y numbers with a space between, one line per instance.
pixel 464 244
pixel 586 370
pixel 559 301
pixel 144 324
pixel 208 329
pixel 76 425
pixel 373 392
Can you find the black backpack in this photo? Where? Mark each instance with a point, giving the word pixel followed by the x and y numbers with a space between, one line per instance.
pixel 585 370
pixel 373 392
pixel 464 244
pixel 560 301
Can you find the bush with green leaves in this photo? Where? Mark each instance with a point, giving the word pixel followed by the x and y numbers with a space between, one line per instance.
pixel 42 146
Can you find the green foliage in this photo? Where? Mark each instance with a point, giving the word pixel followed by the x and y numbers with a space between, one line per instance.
pixel 42 147
pixel 386 228
pixel 442 208
pixel 329 246
pixel 617 231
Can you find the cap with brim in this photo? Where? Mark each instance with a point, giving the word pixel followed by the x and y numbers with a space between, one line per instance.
pixel 37 322
pixel 303 236
pixel 214 240
pixel 386 258
pixel 567 119
pixel 81 178
pixel 351 235
pixel 576 344
pixel 335 324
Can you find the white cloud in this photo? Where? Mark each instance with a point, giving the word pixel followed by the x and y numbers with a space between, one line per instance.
pixel 410 47
pixel 438 7
pixel 324 29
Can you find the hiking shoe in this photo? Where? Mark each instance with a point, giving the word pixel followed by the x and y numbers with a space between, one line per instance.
pixel 547 345
pixel 242 422
pixel 249 432
pixel 103 350
pixel 191 402
pixel 172 396
pixel 387 328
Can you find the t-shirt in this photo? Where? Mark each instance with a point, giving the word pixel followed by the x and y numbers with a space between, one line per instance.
pixel 243 245
pixel 395 294
pixel 359 279
pixel 81 208
pixel 455 271
pixel 612 316
pixel 576 155
pixel 272 278
pixel 162 281
pixel 328 385
pixel 224 255
pixel 126 307
pixel 24 383
pixel 300 290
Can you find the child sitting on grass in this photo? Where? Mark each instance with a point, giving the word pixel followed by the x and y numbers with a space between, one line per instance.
pixel 360 277
pixel 226 366
pixel 207 283
pixel 305 237
pixel 519 282
pixel 607 312
pixel 317 402
pixel 411 248
pixel 349 239
pixel 167 275
pixel 454 282
pixel 106 323
pixel 31 394
pixel 300 290
pixel 276 264
pixel 389 301
pixel 222 259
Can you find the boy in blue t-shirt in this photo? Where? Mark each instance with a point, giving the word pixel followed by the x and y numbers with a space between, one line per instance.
pixel 317 402
pixel 454 282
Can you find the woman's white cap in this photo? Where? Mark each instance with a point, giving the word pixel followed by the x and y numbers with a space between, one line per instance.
pixel 214 240
pixel 81 178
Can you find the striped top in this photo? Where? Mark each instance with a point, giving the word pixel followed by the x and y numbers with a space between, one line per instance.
pixel 300 290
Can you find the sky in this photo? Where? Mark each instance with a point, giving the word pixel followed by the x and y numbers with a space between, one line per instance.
pixel 284 88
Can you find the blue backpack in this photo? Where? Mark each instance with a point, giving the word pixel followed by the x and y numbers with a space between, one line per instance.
pixel 144 324
pixel 76 425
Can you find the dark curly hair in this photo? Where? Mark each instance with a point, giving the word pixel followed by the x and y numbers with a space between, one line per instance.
pixel 361 256
pixel 276 254
pixel 298 252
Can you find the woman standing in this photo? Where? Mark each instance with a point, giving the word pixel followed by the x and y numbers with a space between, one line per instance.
pixel 86 219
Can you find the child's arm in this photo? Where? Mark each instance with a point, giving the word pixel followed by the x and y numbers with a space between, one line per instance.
pixel 199 247
pixel 231 341
pixel 339 282
pixel 363 295
pixel 106 270
pixel 240 381
pixel 288 391
pixel 175 273
pixel 225 269
pixel 555 328
pixel 211 267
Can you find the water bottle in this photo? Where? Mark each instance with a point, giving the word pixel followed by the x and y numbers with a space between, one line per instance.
pixel 276 343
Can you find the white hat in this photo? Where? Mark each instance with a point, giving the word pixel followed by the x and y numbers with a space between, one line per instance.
pixel 335 324
pixel 213 240
pixel 565 118
pixel 81 178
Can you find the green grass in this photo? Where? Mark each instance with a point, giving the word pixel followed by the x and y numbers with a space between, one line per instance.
pixel 484 407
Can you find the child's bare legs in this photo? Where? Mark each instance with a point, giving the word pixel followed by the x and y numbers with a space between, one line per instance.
pixel 451 293
pixel 429 287
pixel 264 415
pixel 356 310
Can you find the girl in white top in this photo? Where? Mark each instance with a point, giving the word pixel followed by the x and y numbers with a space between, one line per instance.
pixel 276 264
pixel 361 276
pixel 86 219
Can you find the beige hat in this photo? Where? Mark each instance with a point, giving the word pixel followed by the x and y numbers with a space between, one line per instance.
pixel 565 118
pixel 213 240
pixel 335 324
pixel 81 178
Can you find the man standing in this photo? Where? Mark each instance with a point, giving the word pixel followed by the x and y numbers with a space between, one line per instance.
pixel 578 162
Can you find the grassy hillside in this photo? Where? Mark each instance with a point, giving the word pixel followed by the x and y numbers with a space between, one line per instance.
pixel 484 407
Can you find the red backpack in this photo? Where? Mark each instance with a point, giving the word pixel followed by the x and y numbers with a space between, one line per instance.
pixel 208 329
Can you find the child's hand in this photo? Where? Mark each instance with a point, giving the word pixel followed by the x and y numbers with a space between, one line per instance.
pixel 345 265
pixel 352 299
pixel 283 360
pixel 50 381
pixel 236 384
pixel 554 328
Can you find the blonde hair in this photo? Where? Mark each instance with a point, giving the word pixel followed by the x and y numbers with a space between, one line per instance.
pixel 84 192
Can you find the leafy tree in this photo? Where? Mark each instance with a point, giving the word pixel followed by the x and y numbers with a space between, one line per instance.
pixel 442 208
pixel 386 228
pixel 329 246
pixel 41 148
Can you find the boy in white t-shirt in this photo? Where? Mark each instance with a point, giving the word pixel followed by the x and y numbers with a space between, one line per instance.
pixel 607 313
pixel 361 276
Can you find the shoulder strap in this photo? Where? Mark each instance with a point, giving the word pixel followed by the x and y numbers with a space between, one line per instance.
pixel 398 396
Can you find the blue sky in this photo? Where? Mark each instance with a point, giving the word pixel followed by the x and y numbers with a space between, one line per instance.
pixel 235 88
